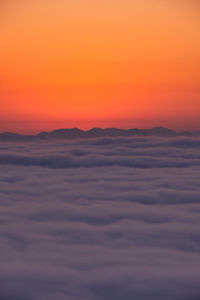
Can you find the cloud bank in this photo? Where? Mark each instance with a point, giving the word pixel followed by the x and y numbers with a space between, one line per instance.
pixel 108 218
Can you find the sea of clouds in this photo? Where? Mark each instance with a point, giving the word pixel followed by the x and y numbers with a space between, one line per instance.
pixel 106 218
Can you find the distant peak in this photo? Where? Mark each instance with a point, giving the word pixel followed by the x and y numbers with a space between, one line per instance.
pixel 72 133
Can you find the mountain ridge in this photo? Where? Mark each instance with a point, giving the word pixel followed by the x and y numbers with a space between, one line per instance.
pixel 73 133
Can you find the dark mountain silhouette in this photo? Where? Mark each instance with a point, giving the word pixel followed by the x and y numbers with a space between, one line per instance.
pixel 9 136
pixel 62 133
pixel 73 133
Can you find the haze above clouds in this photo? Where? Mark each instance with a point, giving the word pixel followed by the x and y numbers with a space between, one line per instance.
pixel 106 218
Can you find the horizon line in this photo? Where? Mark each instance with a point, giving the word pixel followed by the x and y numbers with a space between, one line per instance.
pixel 101 128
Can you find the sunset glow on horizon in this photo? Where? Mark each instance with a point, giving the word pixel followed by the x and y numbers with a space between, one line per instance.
pixel 99 63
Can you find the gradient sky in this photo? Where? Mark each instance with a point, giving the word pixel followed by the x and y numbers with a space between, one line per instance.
pixel 125 63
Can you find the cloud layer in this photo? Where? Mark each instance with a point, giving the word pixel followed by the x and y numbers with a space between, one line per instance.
pixel 109 218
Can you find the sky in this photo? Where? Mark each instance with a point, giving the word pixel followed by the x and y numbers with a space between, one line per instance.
pixel 122 63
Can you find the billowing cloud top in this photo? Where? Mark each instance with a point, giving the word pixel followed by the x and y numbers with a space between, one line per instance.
pixel 107 218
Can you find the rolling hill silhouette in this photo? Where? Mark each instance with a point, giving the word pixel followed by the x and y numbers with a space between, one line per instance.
pixel 73 133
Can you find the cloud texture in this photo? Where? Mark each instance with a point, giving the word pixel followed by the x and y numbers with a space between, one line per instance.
pixel 109 218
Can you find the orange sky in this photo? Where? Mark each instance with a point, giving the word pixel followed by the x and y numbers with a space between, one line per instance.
pixel 125 63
